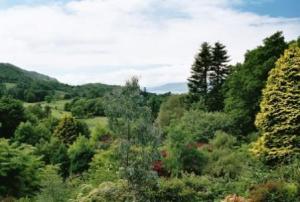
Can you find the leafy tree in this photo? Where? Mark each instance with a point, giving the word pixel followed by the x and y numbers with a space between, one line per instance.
pixel 243 87
pixel 171 110
pixel 279 118
pixel 55 152
pixel 19 170
pixel 80 154
pixel 53 187
pixel 219 70
pixel 130 119
pixel 69 129
pixel 183 154
pixel 29 134
pixel 11 115
pixel 197 83
pixel 203 125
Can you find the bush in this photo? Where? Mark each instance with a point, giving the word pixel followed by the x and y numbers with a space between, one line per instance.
pixel 55 152
pixel 186 189
pixel 274 191
pixel 183 154
pixel 52 186
pixel 107 192
pixel 104 166
pixel 203 125
pixel 29 134
pixel 69 129
pixel 224 160
pixel 170 110
pixel 19 170
pixel 80 154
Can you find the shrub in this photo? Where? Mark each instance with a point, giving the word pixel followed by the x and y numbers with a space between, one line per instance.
pixel 29 134
pixel 186 189
pixel 80 154
pixel 19 170
pixel 53 187
pixel 170 110
pixel 274 191
pixel 203 125
pixel 104 166
pixel 107 192
pixel 69 129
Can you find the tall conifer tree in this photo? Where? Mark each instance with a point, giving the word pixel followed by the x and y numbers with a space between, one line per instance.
pixel 197 83
pixel 219 70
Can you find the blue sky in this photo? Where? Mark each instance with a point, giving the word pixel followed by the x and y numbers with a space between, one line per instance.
pixel 109 41
pixel 275 8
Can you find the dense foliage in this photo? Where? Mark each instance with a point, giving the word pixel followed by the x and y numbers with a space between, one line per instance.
pixel 107 143
pixel 279 118
pixel 243 87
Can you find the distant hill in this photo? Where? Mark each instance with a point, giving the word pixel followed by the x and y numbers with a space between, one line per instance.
pixel 179 87
pixel 11 74
pixel 34 87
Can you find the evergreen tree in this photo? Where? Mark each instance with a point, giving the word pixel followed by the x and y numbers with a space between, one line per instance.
pixel 69 129
pixel 279 117
pixel 197 83
pixel 219 70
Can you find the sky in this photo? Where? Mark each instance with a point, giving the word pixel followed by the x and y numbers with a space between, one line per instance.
pixel 108 41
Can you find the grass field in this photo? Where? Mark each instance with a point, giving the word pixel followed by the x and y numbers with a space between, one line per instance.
pixel 57 108
pixel 9 85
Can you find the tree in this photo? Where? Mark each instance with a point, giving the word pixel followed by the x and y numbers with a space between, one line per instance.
pixel 197 83
pixel 130 119
pixel 219 70
pixel 19 170
pixel 30 134
pixel 279 117
pixel 80 154
pixel 69 129
pixel 171 110
pixel 244 85
pixel 11 115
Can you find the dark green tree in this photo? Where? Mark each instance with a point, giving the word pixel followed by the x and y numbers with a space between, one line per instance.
pixel 197 83
pixel 80 154
pixel 11 115
pixel 219 70
pixel 31 134
pixel 243 87
pixel 19 170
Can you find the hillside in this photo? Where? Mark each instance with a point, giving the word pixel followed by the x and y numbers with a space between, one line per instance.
pixel 11 74
pixel 35 87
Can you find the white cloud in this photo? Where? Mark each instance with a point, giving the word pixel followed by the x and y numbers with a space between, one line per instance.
pixel 111 40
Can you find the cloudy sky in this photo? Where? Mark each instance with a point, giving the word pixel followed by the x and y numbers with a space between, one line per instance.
pixel 110 40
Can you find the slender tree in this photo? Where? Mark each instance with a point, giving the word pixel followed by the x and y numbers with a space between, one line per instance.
pixel 197 83
pixel 219 70
pixel 130 119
